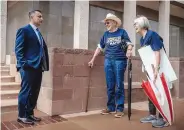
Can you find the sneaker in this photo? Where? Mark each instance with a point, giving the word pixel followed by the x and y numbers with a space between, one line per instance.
pixel 106 111
pixel 119 114
pixel 148 119
pixel 160 123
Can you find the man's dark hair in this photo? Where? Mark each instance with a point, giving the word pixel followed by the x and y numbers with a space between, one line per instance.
pixel 33 11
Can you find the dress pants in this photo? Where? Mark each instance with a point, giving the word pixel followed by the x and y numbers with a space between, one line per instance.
pixel 30 88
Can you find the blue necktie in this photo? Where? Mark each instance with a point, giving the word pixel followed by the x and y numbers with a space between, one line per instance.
pixel 40 37
pixel 41 42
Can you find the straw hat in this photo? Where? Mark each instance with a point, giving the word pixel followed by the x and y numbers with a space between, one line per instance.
pixel 112 17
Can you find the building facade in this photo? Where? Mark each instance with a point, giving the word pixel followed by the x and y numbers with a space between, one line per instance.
pixel 77 25
pixel 70 24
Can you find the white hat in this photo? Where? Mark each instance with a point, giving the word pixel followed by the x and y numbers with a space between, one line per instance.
pixel 112 17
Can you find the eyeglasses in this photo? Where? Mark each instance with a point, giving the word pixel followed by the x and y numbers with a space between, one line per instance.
pixel 106 23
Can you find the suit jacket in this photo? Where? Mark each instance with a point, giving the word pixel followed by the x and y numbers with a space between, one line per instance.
pixel 28 50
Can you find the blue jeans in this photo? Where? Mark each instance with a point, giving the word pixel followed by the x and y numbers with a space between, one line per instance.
pixel 114 72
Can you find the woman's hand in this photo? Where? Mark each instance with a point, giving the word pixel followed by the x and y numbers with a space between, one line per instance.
pixel 156 71
pixel 91 63
pixel 129 53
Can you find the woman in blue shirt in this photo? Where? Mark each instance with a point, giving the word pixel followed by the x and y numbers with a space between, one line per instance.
pixel 112 43
pixel 151 38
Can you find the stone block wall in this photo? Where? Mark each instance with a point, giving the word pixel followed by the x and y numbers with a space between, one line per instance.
pixel 65 86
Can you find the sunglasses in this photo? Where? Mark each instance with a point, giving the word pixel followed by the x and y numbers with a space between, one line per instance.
pixel 107 23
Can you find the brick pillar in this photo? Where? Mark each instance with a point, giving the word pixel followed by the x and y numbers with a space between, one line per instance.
pixel 81 18
pixel 129 17
pixel 3 30
pixel 164 21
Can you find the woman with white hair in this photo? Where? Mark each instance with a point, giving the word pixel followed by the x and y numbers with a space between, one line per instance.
pixel 151 38
pixel 117 47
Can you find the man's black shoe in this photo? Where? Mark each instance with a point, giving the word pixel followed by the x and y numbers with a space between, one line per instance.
pixel 25 121
pixel 33 118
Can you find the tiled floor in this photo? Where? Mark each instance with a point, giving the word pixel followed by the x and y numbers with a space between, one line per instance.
pixel 98 122
pixel 46 120
pixel 9 121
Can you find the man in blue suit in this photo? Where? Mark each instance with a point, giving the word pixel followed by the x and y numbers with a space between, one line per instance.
pixel 32 60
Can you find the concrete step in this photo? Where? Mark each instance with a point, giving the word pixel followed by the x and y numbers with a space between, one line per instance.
pixel 138 94
pixel 4 72
pixel 9 94
pixel 134 85
pixel 9 105
pixel 5 79
pixel 10 86
pixel 5 67
pixel 2 64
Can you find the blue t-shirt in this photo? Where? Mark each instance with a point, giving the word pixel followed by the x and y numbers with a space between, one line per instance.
pixel 112 43
pixel 152 39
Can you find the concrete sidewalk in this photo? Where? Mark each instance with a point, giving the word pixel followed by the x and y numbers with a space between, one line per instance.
pixel 108 122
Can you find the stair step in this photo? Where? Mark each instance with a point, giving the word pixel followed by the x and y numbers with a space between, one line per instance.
pixel 137 92
pixel 5 67
pixel 9 94
pixel 4 72
pixel 10 86
pixel 5 79
pixel 9 105
pixel 134 85
pixel 2 64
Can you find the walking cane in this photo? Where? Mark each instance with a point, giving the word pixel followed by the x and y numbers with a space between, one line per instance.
pixel 87 95
pixel 129 87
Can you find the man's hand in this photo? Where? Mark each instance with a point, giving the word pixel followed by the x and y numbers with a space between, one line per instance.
pixel 129 53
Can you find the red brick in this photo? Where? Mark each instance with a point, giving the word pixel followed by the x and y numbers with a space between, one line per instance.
pixel 17 124
pixel 138 95
pixel 58 59
pixel 67 70
pixel 40 123
pixel 99 61
pixel 9 125
pixel 136 70
pixel 57 70
pixel 81 93
pixel 75 82
pixel 68 59
pixel 81 59
pixel 63 70
pixel 98 71
pixel 46 121
pixel 137 63
pixel 26 125
pixel 57 82
pixel 98 82
pixel 81 70
pixel 62 94
pixel 49 119
pixel 98 92
pixel 3 127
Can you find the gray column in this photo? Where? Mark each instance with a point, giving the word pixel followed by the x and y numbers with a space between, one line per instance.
pixel 128 20
pixel 81 23
pixel 3 30
pixel 164 22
